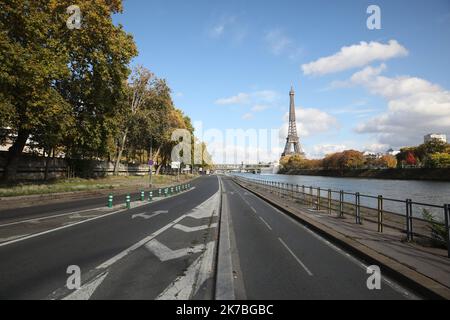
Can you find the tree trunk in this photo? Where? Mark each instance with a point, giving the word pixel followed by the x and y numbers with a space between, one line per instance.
pixel 14 155
pixel 119 156
pixel 157 170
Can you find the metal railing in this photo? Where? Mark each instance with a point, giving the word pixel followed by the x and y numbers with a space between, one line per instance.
pixel 380 210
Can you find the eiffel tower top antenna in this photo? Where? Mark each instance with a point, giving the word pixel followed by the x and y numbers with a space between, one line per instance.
pixel 292 141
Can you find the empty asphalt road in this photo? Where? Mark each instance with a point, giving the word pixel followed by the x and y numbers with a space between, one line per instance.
pixel 142 253
pixel 275 257
pixel 172 248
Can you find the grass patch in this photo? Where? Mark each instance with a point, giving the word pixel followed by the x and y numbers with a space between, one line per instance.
pixel 78 184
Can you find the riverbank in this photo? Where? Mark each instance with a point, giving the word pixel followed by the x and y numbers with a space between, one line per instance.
pixel 426 174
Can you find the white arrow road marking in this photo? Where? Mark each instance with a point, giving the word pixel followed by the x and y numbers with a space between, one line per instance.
pixel 205 209
pixel 194 229
pixel 88 289
pixel 146 217
pixel 208 205
pixel 186 286
pixel 165 254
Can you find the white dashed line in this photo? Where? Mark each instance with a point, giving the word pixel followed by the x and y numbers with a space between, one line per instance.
pixel 267 225
pixel 296 258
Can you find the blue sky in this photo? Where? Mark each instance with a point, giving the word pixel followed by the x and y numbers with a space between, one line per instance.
pixel 231 64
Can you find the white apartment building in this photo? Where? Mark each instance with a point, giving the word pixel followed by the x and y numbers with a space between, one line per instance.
pixel 438 136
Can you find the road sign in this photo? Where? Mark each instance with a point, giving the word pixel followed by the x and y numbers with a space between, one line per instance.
pixel 176 165
pixel 151 163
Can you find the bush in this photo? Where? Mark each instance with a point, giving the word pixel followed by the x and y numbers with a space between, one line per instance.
pixel 439 232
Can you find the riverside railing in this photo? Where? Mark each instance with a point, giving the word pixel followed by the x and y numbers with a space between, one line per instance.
pixel 380 210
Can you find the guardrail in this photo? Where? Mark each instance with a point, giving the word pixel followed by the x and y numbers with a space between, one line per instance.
pixel 365 207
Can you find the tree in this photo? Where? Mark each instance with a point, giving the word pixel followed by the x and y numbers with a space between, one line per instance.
pixel 137 95
pixel 388 161
pixel 47 70
pixel 410 159
pixel 438 160
pixel 351 159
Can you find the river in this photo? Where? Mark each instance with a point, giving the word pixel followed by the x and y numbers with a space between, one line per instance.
pixel 431 192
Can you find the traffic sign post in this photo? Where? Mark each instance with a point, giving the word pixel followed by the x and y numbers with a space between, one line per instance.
pixel 151 164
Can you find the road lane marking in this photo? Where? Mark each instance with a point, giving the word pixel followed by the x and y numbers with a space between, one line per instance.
pixel 296 258
pixel 209 205
pixel 164 253
pixel 12 238
pixel 88 289
pixel 194 229
pixel 36 220
pixel 265 222
pixel 146 217
pixel 186 286
pixel 332 246
pixel 66 226
pixel 253 209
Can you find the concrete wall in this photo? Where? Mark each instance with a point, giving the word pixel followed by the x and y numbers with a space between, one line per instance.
pixel 33 168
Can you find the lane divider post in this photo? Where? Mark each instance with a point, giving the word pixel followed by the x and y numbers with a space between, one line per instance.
pixel 110 200
pixel 128 201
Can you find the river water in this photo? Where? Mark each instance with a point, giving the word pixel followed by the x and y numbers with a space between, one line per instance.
pixel 430 192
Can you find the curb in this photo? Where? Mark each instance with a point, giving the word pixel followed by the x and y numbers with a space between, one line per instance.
pixel 414 280
pixel 224 286
pixel 74 195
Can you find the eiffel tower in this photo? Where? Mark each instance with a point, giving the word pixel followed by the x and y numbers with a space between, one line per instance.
pixel 292 142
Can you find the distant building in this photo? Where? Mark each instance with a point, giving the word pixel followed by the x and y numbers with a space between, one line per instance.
pixel 392 152
pixel 438 136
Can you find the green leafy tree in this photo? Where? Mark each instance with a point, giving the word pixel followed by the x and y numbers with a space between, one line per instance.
pixel 49 73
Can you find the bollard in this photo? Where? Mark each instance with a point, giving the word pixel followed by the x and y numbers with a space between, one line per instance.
pixel 110 200
pixel 142 195
pixel 166 192
pixel 128 201
pixel 150 196
pixel 159 192
pixel 380 214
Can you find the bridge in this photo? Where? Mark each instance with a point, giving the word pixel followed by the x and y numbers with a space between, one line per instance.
pixel 250 168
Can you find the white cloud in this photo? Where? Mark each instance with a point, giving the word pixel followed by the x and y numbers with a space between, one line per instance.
pixel 228 25
pixel 415 107
pixel 240 98
pixel 247 116
pixel 280 44
pixel 257 97
pixel 310 122
pixel 321 150
pixel 355 56
pixel 260 108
